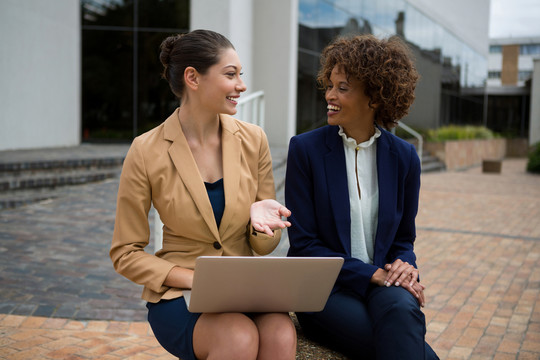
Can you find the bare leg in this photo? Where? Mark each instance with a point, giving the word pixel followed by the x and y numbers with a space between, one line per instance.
pixel 225 336
pixel 277 336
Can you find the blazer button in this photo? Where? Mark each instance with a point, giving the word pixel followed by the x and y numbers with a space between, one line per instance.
pixel 217 245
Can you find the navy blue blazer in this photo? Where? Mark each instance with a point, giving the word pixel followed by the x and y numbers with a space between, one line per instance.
pixel 317 194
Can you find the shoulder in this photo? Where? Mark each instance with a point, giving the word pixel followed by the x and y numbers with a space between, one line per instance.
pixel 395 143
pixel 149 142
pixel 316 137
pixel 405 151
pixel 242 129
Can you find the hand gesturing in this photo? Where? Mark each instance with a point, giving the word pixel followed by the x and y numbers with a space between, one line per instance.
pixel 266 216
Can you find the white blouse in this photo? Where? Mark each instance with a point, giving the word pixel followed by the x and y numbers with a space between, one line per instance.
pixel 361 162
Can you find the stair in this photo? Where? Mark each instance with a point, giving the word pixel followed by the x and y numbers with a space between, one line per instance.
pixel 25 181
pixel 431 163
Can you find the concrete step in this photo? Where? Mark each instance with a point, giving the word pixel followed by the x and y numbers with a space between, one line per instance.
pixel 431 163
pixel 52 179
pixel 20 168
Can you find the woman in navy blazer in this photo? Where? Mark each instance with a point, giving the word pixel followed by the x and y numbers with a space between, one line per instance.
pixel 353 189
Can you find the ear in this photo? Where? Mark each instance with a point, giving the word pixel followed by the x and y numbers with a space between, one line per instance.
pixel 191 78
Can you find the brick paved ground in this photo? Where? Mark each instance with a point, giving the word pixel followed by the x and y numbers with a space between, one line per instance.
pixel 478 248
pixel 479 253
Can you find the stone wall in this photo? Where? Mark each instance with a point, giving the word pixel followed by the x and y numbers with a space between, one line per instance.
pixel 462 154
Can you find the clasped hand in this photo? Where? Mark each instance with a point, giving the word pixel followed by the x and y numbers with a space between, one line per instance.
pixel 403 274
pixel 266 216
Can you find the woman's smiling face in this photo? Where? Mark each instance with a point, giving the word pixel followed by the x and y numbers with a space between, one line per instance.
pixel 222 84
pixel 348 105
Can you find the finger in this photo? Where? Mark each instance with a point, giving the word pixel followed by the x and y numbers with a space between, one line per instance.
pixel 391 268
pixel 422 298
pixel 406 272
pixel 412 290
pixel 414 276
pixel 268 231
pixel 257 226
pixel 419 289
pixel 396 271
pixel 283 211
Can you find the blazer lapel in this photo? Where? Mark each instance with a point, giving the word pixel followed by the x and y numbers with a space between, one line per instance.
pixel 387 168
pixel 232 156
pixel 186 167
pixel 336 177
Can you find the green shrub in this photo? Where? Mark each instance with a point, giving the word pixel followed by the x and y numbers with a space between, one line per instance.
pixel 533 165
pixel 454 132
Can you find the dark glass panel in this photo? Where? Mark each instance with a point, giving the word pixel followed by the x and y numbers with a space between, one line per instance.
pixel 107 78
pixel 107 12
pixel 156 101
pixel 164 14
pixel 508 115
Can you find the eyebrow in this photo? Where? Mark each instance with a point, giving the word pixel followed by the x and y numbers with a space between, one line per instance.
pixel 228 66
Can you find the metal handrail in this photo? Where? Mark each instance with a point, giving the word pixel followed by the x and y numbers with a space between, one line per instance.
pixel 255 102
pixel 417 136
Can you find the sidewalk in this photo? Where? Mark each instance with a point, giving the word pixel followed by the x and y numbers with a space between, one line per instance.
pixel 478 251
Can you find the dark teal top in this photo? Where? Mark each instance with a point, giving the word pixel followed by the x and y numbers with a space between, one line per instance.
pixel 216 194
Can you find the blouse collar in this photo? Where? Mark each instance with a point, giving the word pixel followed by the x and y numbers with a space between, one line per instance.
pixel 350 142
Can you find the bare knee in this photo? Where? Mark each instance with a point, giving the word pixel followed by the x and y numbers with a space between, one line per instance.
pixel 277 336
pixel 225 336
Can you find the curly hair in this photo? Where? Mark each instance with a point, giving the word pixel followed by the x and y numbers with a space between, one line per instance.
pixel 385 68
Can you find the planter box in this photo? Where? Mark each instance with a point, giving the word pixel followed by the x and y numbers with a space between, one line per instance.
pixel 463 154
pixel 492 166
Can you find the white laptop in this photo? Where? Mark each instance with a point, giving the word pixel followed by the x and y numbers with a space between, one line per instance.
pixel 261 284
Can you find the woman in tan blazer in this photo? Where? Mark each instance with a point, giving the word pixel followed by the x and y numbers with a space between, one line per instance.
pixel 210 178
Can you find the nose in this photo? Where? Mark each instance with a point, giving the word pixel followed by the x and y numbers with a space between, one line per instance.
pixel 241 86
pixel 329 94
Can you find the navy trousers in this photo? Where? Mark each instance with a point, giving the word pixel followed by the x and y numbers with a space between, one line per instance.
pixel 388 324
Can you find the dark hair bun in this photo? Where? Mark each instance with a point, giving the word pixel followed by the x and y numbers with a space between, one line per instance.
pixel 166 48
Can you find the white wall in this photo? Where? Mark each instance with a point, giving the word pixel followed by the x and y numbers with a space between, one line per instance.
pixel 275 49
pixel 534 125
pixel 39 73
pixel 265 35
pixel 233 19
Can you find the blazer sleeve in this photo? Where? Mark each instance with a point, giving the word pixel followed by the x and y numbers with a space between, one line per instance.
pixel 312 232
pixel 261 243
pixel 403 243
pixel 131 229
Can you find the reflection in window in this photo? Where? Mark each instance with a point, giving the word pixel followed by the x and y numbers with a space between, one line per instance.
pixel 524 75
pixel 122 92
pixel 529 49
pixel 322 20
pixel 495 49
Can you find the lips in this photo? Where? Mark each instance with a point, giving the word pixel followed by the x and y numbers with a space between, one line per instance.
pixel 233 99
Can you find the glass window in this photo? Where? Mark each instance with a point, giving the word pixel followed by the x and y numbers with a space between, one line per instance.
pixel 107 83
pixel 529 49
pixel 123 94
pixel 164 14
pixel 495 49
pixel 524 75
pixel 107 12
pixel 322 20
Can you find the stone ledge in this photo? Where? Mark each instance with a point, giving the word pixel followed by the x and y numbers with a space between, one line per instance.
pixel 310 350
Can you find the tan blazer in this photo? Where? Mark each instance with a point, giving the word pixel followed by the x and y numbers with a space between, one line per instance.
pixel 159 168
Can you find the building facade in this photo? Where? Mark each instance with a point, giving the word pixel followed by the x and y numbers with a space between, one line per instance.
pixel 513 97
pixel 88 70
